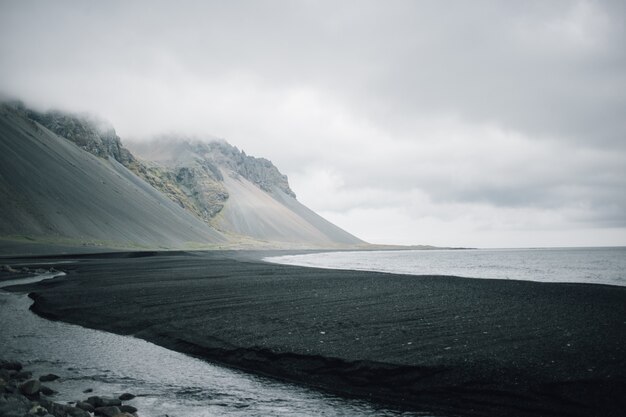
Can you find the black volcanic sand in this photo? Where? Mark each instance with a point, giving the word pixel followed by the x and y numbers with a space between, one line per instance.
pixel 447 345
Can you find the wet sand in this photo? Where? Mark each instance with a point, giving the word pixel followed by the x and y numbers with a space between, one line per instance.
pixel 447 345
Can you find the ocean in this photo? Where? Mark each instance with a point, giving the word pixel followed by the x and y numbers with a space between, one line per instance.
pixel 581 265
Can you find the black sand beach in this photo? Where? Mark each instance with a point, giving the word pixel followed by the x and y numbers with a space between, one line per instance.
pixel 447 345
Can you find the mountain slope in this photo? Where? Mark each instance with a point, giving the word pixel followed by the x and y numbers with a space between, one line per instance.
pixel 255 198
pixel 53 189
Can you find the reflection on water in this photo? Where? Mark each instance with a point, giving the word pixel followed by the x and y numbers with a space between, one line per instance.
pixel 166 382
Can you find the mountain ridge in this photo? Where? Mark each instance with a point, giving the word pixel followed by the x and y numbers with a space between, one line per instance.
pixel 206 180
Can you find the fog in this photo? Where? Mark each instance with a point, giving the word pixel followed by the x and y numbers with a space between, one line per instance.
pixel 491 124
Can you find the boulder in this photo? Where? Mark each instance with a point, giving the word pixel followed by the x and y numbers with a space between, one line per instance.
pixel 48 378
pixel 11 365
pixel 126 397
pixel 97 401
pixel 12 405
pixel 85 406
pixel 23 375
pixel 76 412
pixel 47 390
pixel 30 387
pixel 107 411
pixel 38 410
pixel 7 268
pixel 128 409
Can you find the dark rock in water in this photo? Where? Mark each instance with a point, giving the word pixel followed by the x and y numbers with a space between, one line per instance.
pixel 7 268
pixel 103 401
pixel 30 387
pixel 48 378
pixel 13 366
pixel 4 374
pixel 107 411
pixel 37 410
pixel 23 375
pixel 85 406
pixel 47 390
pixel 88 390
pixel 13 405
pixel 10 387
pixel 128 409
pixel 126 396
pixel 76 412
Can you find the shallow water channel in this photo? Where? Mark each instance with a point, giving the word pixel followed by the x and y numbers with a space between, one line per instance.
pixel 165 382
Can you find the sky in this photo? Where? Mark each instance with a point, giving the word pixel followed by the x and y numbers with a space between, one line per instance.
pixel 449 123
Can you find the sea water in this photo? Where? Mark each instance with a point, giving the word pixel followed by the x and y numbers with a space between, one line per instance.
pixel 582 265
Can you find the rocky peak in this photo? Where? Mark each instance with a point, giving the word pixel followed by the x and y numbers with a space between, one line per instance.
pixel 259 171
pixel 91 134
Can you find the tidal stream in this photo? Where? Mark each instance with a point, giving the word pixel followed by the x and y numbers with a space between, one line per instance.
pixel 165 382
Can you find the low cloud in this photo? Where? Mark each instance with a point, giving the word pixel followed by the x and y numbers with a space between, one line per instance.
pixel 482 123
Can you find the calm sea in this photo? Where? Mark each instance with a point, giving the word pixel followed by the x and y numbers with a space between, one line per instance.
pixel 587 265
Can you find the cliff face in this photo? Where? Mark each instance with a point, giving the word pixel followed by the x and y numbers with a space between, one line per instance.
pixel 248 196
pixel 196 169
pixel 94 136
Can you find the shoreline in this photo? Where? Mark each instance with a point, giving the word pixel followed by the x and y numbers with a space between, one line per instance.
pixel 484 379
pixel 22 394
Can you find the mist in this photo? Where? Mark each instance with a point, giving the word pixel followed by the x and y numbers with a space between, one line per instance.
pixel 485 124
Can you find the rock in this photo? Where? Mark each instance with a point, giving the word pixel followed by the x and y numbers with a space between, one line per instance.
pixel 10 387
pixel 88 390
pixel 12 405
pixel 47 390
pixel 23 375
pixel 48 378
pixel 85 406
pixel 126 397
pixel 7 268
pixel 124 415
pixel 38 410
pixel 128 409
pixel 103 401
pixel 30 387
pixel 76 412
pixel 107 411
pixel 13 366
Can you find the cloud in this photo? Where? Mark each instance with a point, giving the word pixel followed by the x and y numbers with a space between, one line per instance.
pixel 446 122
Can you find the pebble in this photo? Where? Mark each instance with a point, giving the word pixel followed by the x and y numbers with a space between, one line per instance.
pixel 20 399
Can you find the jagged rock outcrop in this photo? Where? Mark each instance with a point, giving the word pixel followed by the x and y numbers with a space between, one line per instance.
pixel 259 171
pixel 91 134
pixel 190 171
pixel 243 195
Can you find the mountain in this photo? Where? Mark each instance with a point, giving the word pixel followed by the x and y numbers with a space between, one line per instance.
pixel 53 190
pixel 67 178
pixel 252 198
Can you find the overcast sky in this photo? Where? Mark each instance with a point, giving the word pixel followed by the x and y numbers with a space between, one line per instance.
pixel 467 123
